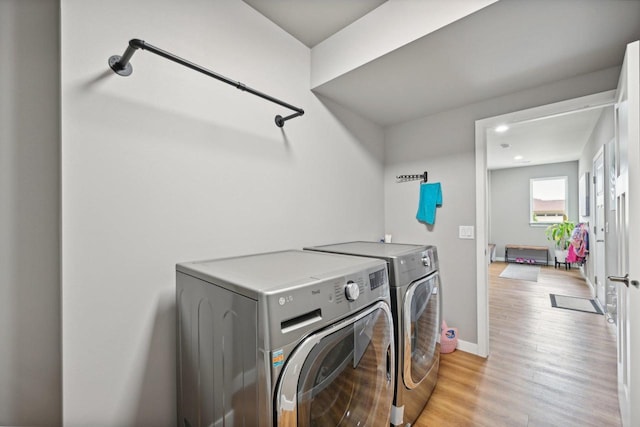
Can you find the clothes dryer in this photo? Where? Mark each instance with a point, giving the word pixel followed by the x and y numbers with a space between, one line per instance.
pixel 292 338
pixel 415 304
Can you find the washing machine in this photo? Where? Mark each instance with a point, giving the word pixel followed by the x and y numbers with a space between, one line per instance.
pixel 416 307
pixel 291 338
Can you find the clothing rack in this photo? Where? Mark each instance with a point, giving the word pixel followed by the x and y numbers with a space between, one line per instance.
pixel 405 178
pixel 121 66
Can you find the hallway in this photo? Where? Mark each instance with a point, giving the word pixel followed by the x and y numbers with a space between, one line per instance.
pixel 547 366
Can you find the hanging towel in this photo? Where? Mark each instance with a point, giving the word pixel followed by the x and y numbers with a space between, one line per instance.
pixel 430 197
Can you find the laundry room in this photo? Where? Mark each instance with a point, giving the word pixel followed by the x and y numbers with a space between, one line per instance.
pixel 113 180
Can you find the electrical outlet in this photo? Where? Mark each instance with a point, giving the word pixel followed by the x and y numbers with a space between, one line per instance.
pixel 465 232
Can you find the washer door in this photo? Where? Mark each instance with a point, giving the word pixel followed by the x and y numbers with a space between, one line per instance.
pixel 421 329
pixel 342 375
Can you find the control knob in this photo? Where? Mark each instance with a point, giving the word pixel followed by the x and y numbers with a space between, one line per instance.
pixel 351 290
pixel 426 261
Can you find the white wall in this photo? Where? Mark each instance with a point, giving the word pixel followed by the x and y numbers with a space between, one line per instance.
pixel 510 210
pixel 444 145
pixel 168 165
pixel 30 359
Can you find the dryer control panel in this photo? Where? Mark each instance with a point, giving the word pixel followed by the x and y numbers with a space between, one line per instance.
pixel 415 265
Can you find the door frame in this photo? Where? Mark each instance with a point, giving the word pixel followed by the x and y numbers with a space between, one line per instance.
pixel 599 251
pixel 597 100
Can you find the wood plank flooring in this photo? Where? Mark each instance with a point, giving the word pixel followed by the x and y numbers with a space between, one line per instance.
pixel 547 366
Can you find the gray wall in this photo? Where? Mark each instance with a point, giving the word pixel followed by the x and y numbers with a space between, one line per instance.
pixel 509 208
pixel 444 145
pixel 168 165
pixel 30 359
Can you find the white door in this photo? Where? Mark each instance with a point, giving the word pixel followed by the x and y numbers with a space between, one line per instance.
pixel 628 226
pixel 598 227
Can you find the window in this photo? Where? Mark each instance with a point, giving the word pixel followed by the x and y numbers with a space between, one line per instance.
pixel 548 204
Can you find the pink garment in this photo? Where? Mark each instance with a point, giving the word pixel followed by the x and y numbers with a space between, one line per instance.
pixel 580 240
pixel 571 255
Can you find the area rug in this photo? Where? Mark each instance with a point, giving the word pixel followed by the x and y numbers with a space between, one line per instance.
pixel 575 303
pixel 521 272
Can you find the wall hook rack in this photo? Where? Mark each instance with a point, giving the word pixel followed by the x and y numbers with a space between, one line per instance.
pixel 121 66
pixel 405 178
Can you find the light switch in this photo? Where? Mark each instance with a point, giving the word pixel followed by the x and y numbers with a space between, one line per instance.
pixel 465 232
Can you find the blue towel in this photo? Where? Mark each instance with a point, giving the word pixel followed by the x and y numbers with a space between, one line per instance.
pixel 430 197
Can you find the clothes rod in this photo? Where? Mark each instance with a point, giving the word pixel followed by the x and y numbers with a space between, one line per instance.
pixel 404 178
pixel 121 66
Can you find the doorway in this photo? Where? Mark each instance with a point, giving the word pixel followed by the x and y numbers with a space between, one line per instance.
pixel 483 128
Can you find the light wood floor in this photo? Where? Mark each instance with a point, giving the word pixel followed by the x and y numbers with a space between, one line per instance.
pixel 547 366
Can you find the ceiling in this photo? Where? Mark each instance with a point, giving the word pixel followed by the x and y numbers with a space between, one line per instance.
pixel 312 21
pixel 554 139
pixel 509 46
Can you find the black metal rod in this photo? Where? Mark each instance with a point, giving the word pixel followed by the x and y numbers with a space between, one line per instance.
pixel 280 120
pixel 121 66
pixel 126 56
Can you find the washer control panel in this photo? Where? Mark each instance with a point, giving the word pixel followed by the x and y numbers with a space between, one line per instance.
pixel 426 260
pixel 351 290
pixel 365 286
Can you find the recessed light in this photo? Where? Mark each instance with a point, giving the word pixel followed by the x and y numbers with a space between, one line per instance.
pixel 518 158
pixel 501 128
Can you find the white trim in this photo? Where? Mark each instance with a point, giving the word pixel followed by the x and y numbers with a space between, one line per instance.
pixel 532 114
pixel 588 282
pixel 469 347
pixel 482 238
pixel 595 254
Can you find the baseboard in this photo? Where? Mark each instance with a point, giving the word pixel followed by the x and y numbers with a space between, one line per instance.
pixel 468 347
pixel 586 279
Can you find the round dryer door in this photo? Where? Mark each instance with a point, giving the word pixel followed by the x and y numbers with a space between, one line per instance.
pixel 421 329
pixel 341 376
